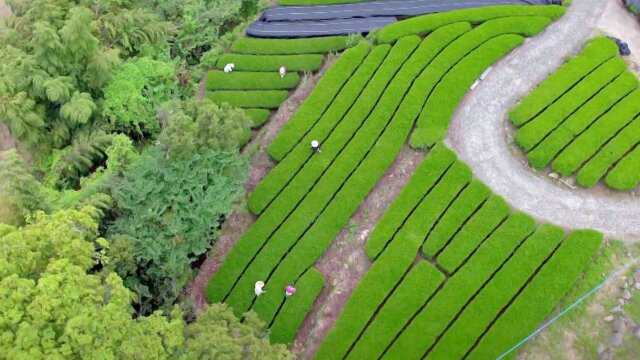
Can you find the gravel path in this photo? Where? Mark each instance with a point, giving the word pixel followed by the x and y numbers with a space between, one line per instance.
pixel 481 136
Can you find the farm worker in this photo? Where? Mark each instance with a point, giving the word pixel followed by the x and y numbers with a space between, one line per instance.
pixel 229 67
pixel 289 290
pixel 283 71
pixel 258 288
pixel 315 146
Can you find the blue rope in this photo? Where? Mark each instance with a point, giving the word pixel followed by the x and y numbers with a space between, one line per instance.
pixel 566 310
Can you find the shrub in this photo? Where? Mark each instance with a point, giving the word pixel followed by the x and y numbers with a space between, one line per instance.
pixel 590 141
pixel 433 319
pixel 219 80
pixel 542 154
pixel 392 264
pixel 317 45
pixel 626 174
pixel 244 62
pixel 425 24
pixel 414 290
pixel 595 53
pixel 540 126
pixel 268 99
pixel 540 295
pixel 296 307
pixel 422 181
pixel 444 100
pixel 497 293
pixel 609 154
pixel 258 116
pixel 318 101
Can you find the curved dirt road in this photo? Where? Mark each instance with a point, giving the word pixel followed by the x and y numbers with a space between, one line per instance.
pixel 481 136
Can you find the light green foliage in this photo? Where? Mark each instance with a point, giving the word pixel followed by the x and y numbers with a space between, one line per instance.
pixel 121 154
pixel 193 125
pixel 20 192
pixel 170 219
pixel 134 93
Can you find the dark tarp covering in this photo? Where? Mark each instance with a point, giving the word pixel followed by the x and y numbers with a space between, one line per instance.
pixel 316 28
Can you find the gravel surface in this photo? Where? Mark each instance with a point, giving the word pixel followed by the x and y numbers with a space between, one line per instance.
pixel 482 137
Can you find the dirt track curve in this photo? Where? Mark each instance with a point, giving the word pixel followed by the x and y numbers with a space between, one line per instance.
pixel 481 136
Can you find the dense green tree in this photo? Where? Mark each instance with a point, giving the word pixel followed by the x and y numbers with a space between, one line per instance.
pixel 170 218
pixel 193 125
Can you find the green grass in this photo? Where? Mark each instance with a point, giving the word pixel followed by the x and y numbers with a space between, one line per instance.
pixel 245 62
pixel 432 320
pixel 546 151
pixel 239 80
pixel 534 131
pixel 477 315
pixel 318 101
pixel 317 45
pixel 590 141
pixel 391 264
pixel 296 307
pixel 422 25
pixel 540 296
pixel 266 99
pixel 414 290
pixel 609 154
pixel 257 116
pixel 626 174
pixel 422 180
pixel 595 53
pixel 323 130
pixel 444 100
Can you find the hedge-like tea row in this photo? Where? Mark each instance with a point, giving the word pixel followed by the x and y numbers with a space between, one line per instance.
pixel 332 140
pixel 477 315
pixel 390 266
pixel 257 116
pixel 245 62
pixel 414 290
pixel 381 155
pixel 247 80
pixel 546 151
pixel 540 296
pixel 317 45
pixel 425 24
pixel 433 124
pixel 613 151
pixel 433 319
pixel 590 141
pixel 308 212
pixel 296 307
pixel 539 127
pixel 423 179
pixel 595 53
pixel 480 225
pixel 626 174
pixel 318 101
pixel 462 210
pixel 266 99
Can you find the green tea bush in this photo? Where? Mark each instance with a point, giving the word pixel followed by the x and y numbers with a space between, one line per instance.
pixel 246 80
pixel 316 45
pixel 267 99
pixel 247 62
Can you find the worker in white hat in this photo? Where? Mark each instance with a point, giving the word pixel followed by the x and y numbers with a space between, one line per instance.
pixel 258 288
pixel 283 71
pixel 315 146
pixel 229 67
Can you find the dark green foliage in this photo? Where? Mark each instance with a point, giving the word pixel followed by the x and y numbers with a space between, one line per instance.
pixel 242 62
pixel 595 53
pixel 317 45
pixel 219 80
pixel 539 127
pixel 195 125
pixel 267 99
pixel 296 307
pixel 339 121
pixel 318 101
pixel 540 296
pixel 170 219
pixel 422 25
